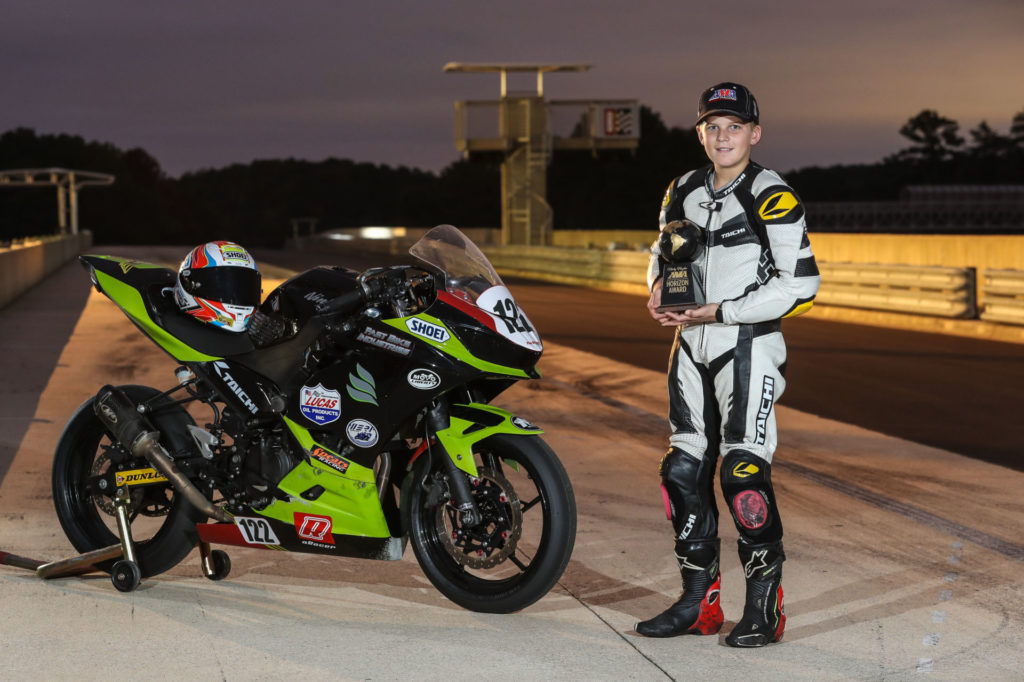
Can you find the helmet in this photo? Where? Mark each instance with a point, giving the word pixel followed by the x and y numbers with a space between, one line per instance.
pixel 218 284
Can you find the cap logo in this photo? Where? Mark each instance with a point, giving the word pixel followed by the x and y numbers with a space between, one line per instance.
pixel 723 93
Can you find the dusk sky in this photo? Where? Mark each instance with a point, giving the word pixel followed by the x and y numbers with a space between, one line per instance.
pixel 206 84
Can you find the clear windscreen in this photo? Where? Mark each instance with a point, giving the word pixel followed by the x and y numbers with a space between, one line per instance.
pixel 470 277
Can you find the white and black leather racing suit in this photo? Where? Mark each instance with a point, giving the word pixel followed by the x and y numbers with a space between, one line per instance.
pixel 725 377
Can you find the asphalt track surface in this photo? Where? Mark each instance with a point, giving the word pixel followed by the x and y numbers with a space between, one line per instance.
pixel 959 394
pixel 903 559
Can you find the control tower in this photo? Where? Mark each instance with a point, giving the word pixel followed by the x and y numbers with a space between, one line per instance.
pixel 525 129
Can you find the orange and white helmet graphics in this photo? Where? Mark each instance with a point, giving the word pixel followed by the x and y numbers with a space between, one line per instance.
pixel 218 284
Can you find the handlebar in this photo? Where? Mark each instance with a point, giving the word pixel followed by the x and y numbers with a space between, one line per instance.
pixel 346 303
pixel 401 289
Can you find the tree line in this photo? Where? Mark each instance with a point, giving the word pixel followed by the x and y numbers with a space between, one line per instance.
pixel 254 203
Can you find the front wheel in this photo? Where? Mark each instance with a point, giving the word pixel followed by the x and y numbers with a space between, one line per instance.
pixel 520 550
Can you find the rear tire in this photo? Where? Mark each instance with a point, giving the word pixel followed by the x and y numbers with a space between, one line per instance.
pixel 159 546
pixel 520 550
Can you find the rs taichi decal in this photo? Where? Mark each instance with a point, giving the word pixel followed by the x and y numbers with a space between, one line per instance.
pixel 765 408
pixel 221 368
pixel 777 205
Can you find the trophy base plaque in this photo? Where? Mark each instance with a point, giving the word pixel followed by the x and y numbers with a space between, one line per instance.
pixel 680 289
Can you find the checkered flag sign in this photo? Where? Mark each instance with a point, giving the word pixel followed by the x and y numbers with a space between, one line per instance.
pixel 619 121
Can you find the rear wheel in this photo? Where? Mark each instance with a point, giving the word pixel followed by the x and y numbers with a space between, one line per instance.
pixel 86 465
pixel 520 550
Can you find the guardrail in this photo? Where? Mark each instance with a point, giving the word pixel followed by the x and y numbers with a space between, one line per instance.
pixel 937 291
pixel 926 290
pixel 1001 294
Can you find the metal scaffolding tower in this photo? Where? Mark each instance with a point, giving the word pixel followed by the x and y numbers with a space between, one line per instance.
pixel 528 130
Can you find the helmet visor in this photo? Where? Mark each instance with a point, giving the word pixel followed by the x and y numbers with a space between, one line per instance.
pixel 231 285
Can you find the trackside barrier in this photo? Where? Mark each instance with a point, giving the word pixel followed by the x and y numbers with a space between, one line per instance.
pixel 935 291
pixel 24 264
pixel 1001 294
pixel 925 290
pixel 585 267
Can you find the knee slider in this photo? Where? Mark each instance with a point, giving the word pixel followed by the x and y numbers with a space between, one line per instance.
pixel 747 485
pixel 687 483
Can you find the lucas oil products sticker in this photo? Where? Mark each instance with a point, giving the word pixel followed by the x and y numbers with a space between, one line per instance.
pixel 320 404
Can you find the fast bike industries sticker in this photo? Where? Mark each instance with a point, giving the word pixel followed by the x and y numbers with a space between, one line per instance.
pixel 256 531
pixel 320 404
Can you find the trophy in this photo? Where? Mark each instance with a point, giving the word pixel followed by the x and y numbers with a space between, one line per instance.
pixel 681 244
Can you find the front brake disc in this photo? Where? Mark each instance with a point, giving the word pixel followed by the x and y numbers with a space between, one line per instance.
pixel 495 539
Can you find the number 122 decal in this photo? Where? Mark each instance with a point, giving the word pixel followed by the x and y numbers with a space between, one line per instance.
pixel 256 531
pixel 513 323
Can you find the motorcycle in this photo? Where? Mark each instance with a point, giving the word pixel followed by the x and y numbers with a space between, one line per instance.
pixel 352 418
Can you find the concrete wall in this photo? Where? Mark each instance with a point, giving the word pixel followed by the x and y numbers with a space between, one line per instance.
pixel 973 251
pixel 24 265
pixel 977 251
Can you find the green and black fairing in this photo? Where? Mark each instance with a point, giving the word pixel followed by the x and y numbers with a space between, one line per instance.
pixel 381 373
pixel 144 292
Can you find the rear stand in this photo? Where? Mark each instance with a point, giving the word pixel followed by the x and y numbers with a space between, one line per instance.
pixel 125 573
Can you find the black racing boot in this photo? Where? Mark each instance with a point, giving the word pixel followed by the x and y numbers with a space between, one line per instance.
pixel 698 611
pixel 764 618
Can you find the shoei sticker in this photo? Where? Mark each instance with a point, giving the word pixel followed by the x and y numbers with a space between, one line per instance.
pixel 234 253
pixel 427 330
pixel 256 531
pixel 361 433
pixel 512 322
pixel 423 379
pixel 319 404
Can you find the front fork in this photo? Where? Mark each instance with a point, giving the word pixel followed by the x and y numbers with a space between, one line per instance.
pixel 438 420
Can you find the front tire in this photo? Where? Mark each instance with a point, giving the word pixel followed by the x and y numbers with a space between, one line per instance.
pixel 522 547
pixel 163 523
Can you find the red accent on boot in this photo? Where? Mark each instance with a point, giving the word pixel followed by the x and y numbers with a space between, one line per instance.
pixel 711 617
pixel 782 616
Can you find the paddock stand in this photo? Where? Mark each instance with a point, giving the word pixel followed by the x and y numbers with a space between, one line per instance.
pixel 125 574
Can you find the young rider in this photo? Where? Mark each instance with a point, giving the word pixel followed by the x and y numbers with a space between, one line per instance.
pixel 726 369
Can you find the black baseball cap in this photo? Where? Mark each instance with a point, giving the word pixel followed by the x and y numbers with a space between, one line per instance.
pixel 727 98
